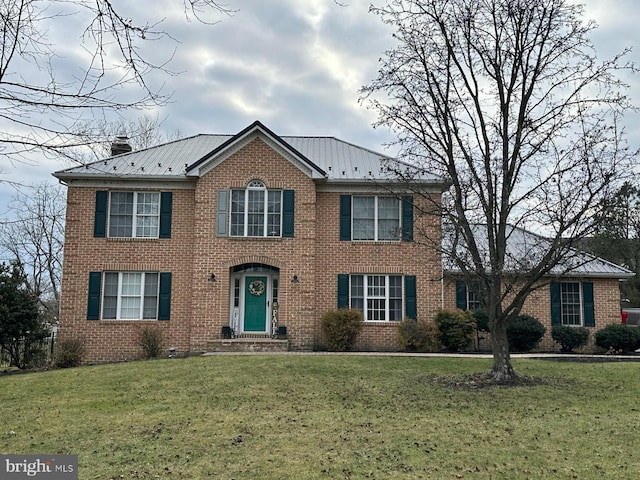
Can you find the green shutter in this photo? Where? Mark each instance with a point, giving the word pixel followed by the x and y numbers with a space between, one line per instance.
pixel 288 203
pixel 222 213
pixel 407 219
pixel 164 300
pixel 345 217
pixel 100 218
pixel 166 205
pixel 93 303
pixel 461 295
pixel 410 298
pixel 556 303
pixel 588 309
pixel 343 291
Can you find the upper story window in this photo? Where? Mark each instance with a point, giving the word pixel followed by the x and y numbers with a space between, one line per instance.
pixel 134 214
pixel 376 218
pixel 120 214
pixel 256 211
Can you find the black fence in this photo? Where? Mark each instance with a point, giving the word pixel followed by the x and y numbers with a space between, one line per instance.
pixel 40 356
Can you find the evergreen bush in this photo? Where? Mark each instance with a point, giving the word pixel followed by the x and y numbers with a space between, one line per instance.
pixel 341 328
pixel 524 333
pixel 618 338
pixel 569 338
pixel 456 329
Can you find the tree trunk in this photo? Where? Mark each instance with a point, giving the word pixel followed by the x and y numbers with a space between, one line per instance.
pixel 502 371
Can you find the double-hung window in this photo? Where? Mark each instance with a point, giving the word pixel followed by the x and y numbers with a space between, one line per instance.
pixel 571 303
pixel 467 297
pixel 134 214
pixel 130 295
pixel 378 297
pixel 256 211
pixel 376 218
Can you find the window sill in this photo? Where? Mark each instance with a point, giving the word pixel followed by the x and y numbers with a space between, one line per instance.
pixel 125 320
pixel 132 239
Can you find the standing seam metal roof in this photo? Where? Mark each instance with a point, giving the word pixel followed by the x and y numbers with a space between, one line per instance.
pixel 340 160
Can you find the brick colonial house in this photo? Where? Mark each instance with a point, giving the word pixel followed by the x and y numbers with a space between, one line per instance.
pixel 254 234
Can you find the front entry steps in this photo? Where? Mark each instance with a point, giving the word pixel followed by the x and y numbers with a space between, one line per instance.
pixel 248 343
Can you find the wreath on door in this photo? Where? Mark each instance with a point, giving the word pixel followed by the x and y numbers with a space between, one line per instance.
pixel 256 288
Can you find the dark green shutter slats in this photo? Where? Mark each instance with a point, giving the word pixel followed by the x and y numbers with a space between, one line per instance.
pixel 556 304
pixel 588 305
pixel 222 212
pixel 407 219
pixel 164 300
pixel 345 217
pixel 166 205
pixel 343 291
pixel 461 295
pixel 93 302
pixel 100 218
pixel 410 301
pixel 288 207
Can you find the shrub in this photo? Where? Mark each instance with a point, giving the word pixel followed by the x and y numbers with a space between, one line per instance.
pixel 341 327
pixel 618 338
pixel 69 352
pixel 151 340
pixel 418 336
pixel 524 333
pixel 569 338
pixel 481 318
pixel 456 329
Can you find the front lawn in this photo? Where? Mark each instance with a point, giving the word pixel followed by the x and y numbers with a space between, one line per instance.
pixel 327 417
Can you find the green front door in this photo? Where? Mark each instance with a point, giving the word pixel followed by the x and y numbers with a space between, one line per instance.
pixel 255 304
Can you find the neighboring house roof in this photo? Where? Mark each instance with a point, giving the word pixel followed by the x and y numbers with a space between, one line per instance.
pixel 525 248
pixel 324 158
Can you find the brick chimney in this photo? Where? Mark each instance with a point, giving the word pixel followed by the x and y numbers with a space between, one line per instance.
pixel 120 145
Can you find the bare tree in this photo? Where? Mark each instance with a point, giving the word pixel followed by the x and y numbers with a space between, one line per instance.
pixel 507 99
pixel 34 237
pixel 143 132
pixel 44 104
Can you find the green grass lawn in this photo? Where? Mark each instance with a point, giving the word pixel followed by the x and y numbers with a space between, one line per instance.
pixel 327 417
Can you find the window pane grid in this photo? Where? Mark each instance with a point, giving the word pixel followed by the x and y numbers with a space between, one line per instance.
pixel 381 294
pixel 130 295
pixel 129 209
pixel 571 303
pixel 256 211
pixel 375 218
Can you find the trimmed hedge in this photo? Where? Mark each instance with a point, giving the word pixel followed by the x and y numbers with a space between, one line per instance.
pixel 618 338
pixel 341 328
pixel 569 338
pixel 456 328
pixel 524 333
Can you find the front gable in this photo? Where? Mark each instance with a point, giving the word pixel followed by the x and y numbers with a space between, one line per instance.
pixel 255 131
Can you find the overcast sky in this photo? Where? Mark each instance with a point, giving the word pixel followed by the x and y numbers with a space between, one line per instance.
pixel 295 65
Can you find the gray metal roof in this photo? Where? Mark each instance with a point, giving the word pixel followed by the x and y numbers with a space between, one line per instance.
pixel 336 160
pixel 525 249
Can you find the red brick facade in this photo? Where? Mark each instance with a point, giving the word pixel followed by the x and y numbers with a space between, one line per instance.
pixel 200 308
pixel 606 292
pixel 300 270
